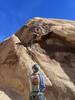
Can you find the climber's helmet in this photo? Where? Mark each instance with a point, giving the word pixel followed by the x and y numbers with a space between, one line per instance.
pixel 35 68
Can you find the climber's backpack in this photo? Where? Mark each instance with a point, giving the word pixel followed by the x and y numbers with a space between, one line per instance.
pixel 35 83
pixel 38 83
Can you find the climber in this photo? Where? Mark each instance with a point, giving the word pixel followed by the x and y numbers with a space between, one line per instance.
pixel 38 84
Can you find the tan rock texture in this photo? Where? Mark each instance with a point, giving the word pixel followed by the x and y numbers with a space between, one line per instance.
pixel 51 44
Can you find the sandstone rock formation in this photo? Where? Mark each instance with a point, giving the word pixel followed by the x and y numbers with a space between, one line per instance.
pixel 51 44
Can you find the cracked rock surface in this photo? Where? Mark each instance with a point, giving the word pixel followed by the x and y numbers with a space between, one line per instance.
pixel 51 44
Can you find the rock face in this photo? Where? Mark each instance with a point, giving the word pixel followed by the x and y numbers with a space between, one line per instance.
pixel 51 44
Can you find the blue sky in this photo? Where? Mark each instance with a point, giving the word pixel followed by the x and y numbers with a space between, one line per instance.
pixel 15 13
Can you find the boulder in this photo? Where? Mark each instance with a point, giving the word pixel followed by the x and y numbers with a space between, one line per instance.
pixel 51 44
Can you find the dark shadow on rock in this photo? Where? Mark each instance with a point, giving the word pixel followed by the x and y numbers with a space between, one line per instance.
pixel 64 57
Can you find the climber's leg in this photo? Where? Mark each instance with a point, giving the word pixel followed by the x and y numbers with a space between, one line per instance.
pixel 33 96
pixel 41 96
pixel 38 96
